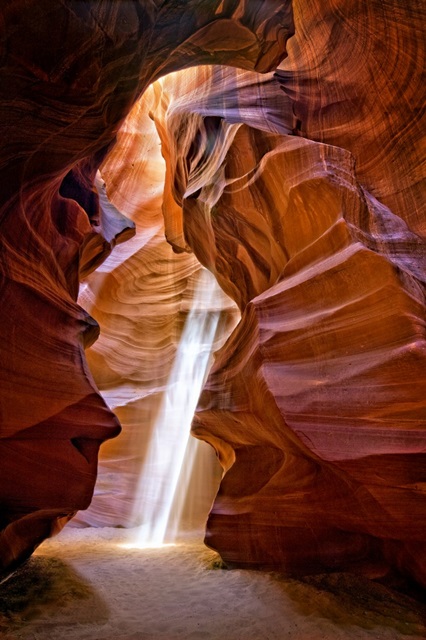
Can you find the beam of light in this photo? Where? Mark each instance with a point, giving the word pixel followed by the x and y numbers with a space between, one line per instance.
pixel 140 545
pixel 159 480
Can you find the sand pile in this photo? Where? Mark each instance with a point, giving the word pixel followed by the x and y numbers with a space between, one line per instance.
pixel 86 584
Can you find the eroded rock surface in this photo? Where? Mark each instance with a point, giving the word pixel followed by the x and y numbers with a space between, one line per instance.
pixel 302 191
pixel 316 404
pixel 141 297
pixel 70 72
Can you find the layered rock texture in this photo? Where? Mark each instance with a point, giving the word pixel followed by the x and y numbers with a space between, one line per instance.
pixel 302 191
pixel 70 73
pixel 311 215
pixel 141 297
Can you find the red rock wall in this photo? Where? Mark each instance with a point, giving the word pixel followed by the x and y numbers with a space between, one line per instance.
pixel 141 296
pixel 316 404
pixel 303 192
pixel 70 72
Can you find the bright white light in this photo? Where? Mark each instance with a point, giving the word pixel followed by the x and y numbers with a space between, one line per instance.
pixel 159 479
pixel 141 545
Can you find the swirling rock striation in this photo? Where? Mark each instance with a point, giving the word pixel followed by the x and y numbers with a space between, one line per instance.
pixel 316 404
pixel 70 72
pixel 141 297
pixel 302 191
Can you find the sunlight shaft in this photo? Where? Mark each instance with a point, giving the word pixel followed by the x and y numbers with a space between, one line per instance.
pixel 159 481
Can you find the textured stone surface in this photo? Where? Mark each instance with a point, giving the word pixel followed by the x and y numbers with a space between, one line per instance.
pixel 302 191
pixel 140 296
pixel 316 404
pixel 70 72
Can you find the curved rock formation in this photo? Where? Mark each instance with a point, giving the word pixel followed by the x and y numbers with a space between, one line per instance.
pixel 302 191
pixel 70 73
pixel 326 371
pixel 316 404
pixel 140 296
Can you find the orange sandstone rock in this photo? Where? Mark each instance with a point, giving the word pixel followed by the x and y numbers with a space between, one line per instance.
pixel 316 404
pixel 302 192
pixel 70 73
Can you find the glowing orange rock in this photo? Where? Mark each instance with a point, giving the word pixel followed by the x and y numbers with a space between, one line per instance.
pixel 69 75
pixel 315 405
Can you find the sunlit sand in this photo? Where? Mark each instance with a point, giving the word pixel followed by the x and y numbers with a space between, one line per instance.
pixel 89 584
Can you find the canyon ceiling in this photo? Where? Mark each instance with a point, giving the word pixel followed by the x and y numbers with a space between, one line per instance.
pixel 292 167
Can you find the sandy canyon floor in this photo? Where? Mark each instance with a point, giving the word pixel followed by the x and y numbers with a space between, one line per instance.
pixel 87 584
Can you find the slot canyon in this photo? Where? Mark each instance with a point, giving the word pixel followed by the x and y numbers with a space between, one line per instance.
pixel 254 166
